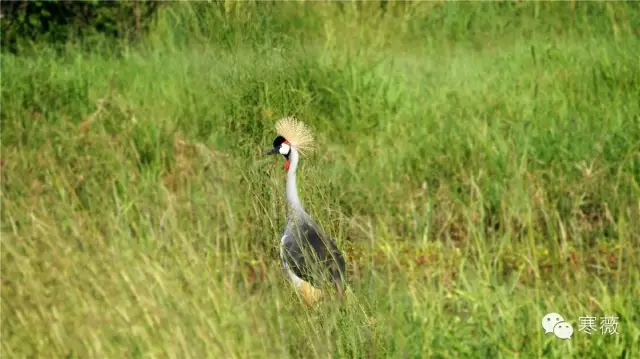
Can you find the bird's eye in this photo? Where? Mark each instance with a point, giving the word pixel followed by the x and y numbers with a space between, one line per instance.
pixel 284 149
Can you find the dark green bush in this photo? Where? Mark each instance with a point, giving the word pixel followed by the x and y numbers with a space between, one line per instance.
pixel 56 21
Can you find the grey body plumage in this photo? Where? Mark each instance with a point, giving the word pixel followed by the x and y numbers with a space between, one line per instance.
pixel 311 255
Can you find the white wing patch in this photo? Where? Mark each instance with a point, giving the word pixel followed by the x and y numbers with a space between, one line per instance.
pixel 309 293
pixel 297 281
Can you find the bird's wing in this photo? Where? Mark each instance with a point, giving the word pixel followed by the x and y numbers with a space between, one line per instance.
pixel 307 245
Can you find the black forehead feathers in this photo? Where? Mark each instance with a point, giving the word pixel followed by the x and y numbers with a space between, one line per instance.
pixel 278 141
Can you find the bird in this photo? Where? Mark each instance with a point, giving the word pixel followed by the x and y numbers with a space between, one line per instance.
pixel 310 258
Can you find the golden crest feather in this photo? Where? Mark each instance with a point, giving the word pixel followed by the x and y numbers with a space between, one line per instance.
pixel 296 132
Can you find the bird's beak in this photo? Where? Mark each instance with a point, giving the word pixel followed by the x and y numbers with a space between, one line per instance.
pixel 273 151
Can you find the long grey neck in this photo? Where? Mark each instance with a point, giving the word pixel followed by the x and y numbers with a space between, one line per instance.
pixel 295 207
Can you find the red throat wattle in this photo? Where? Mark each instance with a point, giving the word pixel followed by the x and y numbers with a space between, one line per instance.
pixel 286 165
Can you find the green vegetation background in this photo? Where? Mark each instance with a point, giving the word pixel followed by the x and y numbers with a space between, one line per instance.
pixel 479 163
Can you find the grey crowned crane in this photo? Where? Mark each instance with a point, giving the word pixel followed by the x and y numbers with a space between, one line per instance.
pixel 311 259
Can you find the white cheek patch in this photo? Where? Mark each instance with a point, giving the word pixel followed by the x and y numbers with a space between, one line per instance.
pixel 284 149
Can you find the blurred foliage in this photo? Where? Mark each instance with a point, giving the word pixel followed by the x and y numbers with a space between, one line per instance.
pixel 57 21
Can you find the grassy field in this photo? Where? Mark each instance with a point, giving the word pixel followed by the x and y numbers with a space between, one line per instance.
pixel 479 164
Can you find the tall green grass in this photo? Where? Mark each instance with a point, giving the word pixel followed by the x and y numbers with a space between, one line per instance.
pixel 478 163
